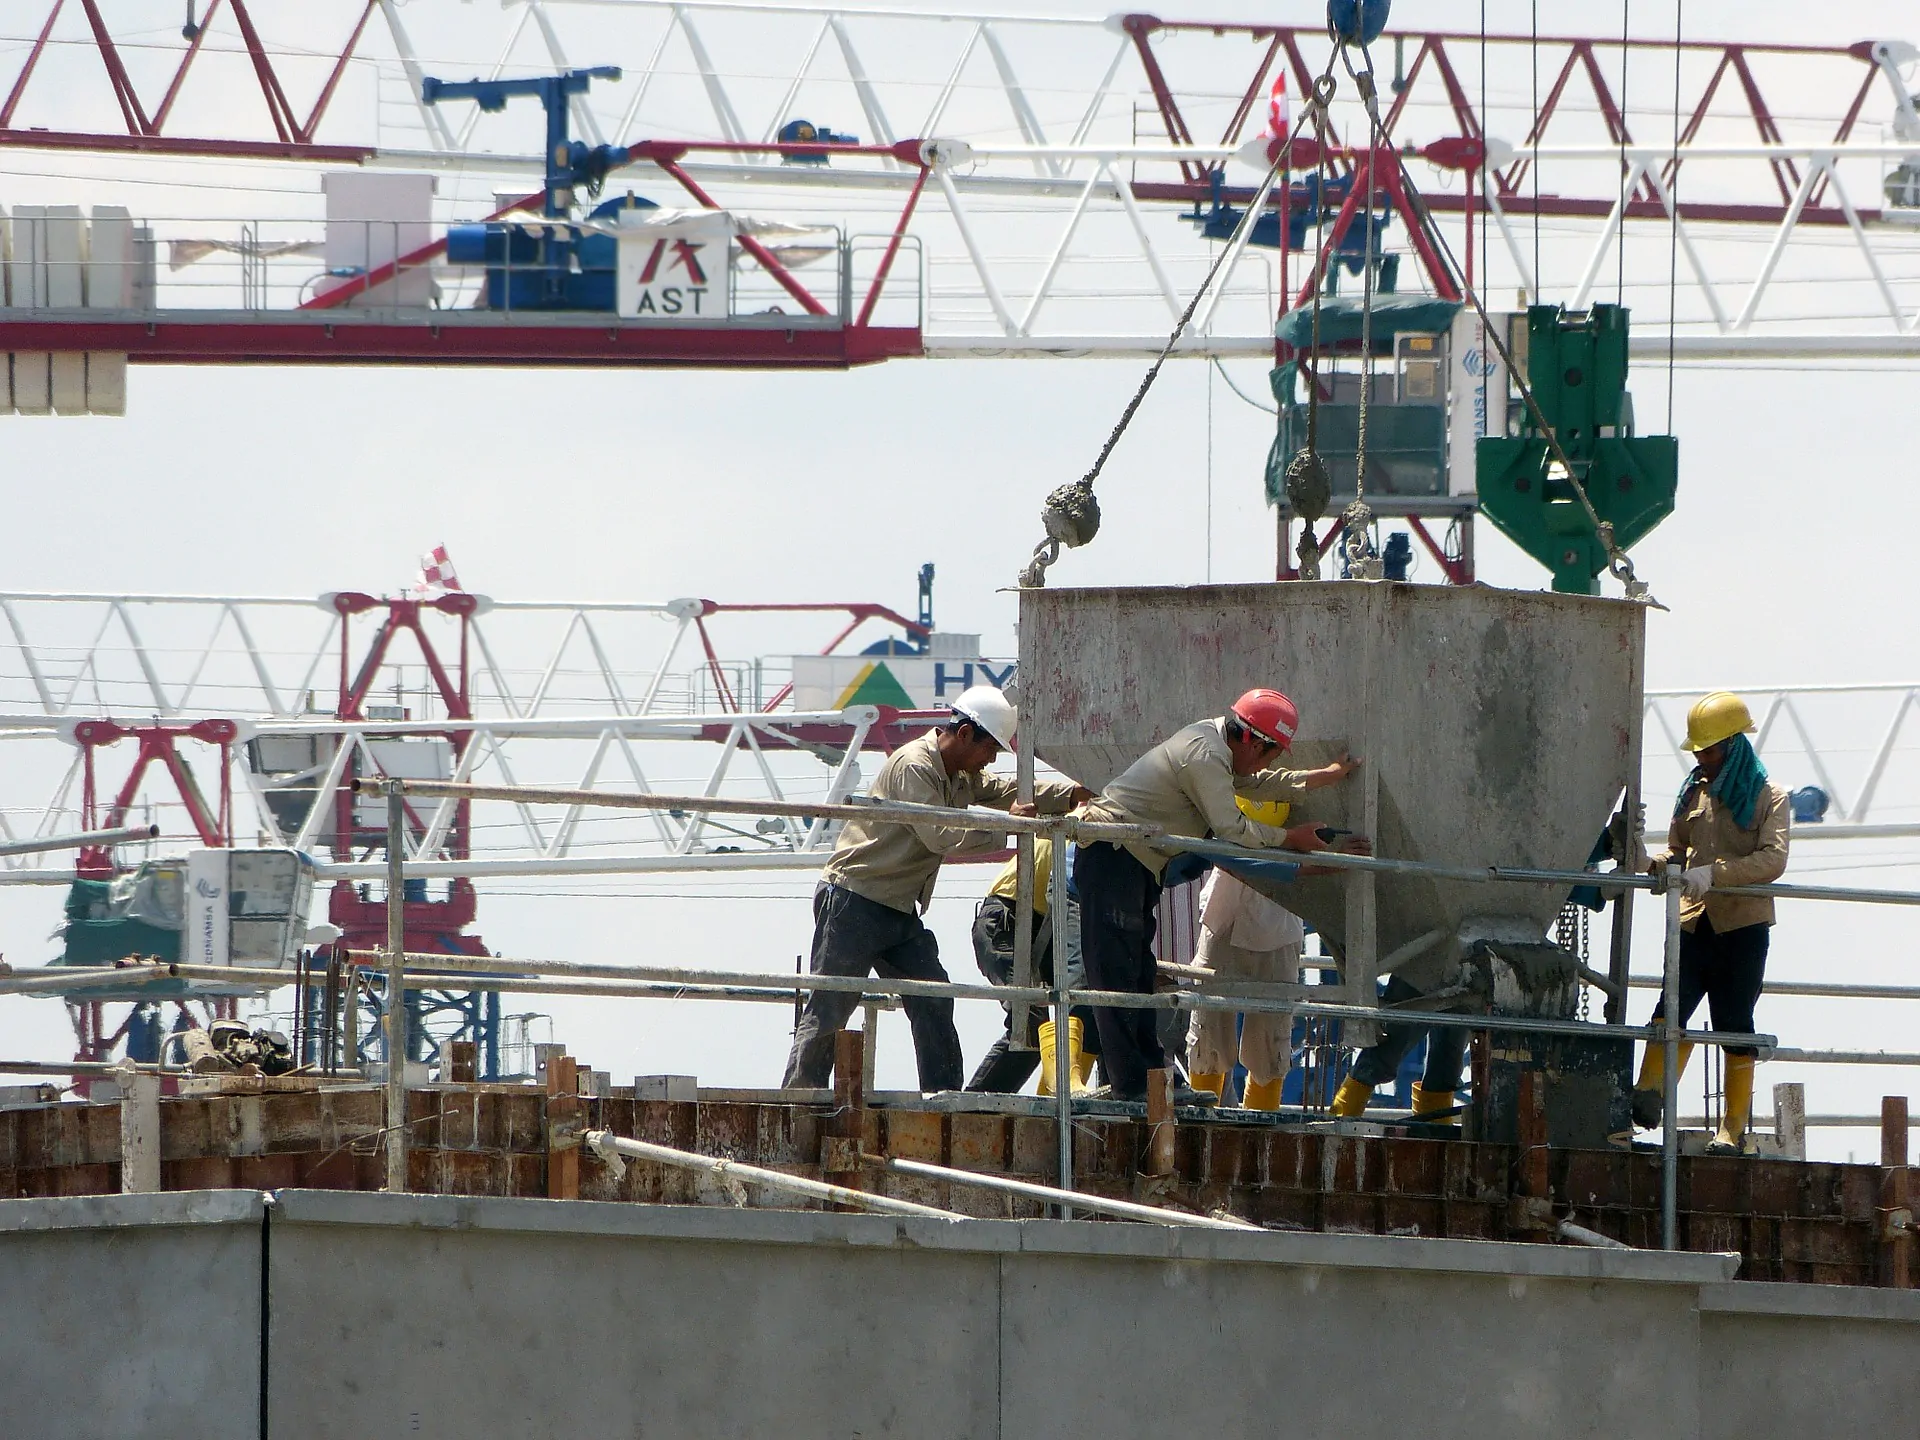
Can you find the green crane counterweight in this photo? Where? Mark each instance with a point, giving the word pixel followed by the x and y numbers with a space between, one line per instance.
pixel 1576 366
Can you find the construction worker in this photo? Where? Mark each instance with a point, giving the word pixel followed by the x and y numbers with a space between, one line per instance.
pixel 1005 1069
pixel 1246 936
pixel 1185 786
pixel 1730 827
pixel 876 885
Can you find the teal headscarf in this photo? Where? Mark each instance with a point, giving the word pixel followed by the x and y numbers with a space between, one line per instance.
pixel 1738 786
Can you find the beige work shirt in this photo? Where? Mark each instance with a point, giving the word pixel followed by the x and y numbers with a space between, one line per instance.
pixel 1705 834
pixel 1186 786
pixel 893 864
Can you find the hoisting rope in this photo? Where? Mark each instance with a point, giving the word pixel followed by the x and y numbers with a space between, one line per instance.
pixel 1072 514
pixel 1309 488
pixel 1363 561
pixel 1618 565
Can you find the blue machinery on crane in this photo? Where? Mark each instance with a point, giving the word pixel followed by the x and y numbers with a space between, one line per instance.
pixel 571 165
pixel 545 267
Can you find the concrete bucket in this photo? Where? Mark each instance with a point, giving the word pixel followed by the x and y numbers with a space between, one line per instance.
pixel 1496 728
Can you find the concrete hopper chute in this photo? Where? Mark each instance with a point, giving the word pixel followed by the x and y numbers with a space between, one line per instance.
pixel 1496 728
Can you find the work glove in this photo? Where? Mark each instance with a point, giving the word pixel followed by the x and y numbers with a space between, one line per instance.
pixel 1696 882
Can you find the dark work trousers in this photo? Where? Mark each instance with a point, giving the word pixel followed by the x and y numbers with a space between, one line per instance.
pixel 853 935
pixel 1003 1069
pixel 1446 1048
pixel 1728 969
pixel 1118 897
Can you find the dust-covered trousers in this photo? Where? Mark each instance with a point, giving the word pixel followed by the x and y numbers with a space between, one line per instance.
pixel 1266 1037
pixel 853 935
pixel 1446 1048
pixel 1005 1067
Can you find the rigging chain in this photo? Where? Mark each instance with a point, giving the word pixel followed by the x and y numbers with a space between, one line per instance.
pixel 1072 514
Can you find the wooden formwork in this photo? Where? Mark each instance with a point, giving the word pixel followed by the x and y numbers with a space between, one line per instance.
pixel 1794 1221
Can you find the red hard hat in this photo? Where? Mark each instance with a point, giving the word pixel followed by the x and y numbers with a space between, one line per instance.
pixel 1269 714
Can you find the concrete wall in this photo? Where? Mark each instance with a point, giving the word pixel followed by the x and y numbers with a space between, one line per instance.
pixel 129 1315
pixel 440 1316
pixel 1795 1361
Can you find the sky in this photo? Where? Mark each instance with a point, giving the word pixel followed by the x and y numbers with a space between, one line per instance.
pixel 1785 562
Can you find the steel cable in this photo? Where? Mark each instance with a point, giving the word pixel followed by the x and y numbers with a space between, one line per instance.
pixel 1071 515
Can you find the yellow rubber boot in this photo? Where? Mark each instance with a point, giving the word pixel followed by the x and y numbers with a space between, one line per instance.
pixel 1202 1080
pixel 1261 1095
pixel 1428 1102
pixel 1350 1100
pixel 1075 1060
pixel 1648 1090
pixel 1733 1125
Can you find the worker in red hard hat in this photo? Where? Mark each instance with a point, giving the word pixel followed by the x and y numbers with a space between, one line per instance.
pixel 876 885
pixel 1188 785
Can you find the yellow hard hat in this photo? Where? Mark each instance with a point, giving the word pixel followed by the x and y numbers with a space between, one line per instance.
pixel 1265 812
pixel 1716 717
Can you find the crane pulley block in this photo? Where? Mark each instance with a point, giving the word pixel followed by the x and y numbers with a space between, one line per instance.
pixel 1575 363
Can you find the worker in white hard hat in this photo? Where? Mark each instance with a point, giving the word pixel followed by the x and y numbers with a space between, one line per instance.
pixel 1186 785
pixel 1730 827
pixel 876 885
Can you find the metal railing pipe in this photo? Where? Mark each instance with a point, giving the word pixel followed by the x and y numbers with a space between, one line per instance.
pixel 1671 1020
pixel 994 821
pixel 396 958
pixel 1053 1195
pixel 452 972
pixel 615 1148
pixel 118 835
pixel 1061 1059
pixel 1809 989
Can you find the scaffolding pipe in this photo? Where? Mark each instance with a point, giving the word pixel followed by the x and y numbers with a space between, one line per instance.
pixel 612 1148
pixel 524 977
pixel 1670 1074
pixel 1581 1235
pixel 1099 1205
pixel 117 836
pixel 1061 1059
pixel 396 958
pixel 994 821
pixel 85 1067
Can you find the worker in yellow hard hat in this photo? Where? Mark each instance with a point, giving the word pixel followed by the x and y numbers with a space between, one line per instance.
pixel 1246 936
pixel 1730 827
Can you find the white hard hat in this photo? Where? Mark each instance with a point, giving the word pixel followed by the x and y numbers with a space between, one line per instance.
pixel 990 711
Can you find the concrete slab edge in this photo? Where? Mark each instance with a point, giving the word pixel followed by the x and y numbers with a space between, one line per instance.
pixel 1005 1237
pixel 1820 1302
pixel 110 1212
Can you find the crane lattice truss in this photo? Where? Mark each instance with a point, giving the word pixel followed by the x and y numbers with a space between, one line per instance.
pixel 1014 191
pixel 207 689
pixel 583 696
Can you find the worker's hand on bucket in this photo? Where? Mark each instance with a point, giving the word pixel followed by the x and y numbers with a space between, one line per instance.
pixel 1306 838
